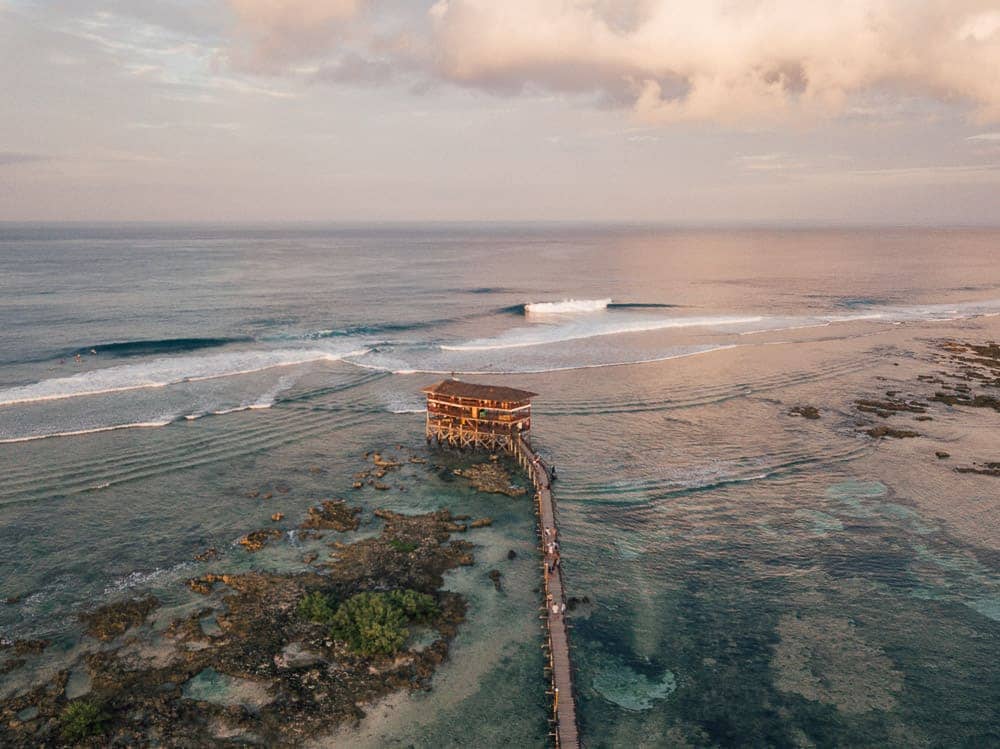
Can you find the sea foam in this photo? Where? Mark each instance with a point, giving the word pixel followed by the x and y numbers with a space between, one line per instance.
pixel 539 335
pixel 162 372
pixel 566 307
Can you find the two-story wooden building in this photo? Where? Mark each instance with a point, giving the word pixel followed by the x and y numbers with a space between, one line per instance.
pixel 463 414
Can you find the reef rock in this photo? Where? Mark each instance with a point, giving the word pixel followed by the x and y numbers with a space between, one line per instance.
pixel 257 540
pixel 823 658
pixel 333 514
pixel 806 412
pixel 884 431
pixel 108 622
pixel 491 478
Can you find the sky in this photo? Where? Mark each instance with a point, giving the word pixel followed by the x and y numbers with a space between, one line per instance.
pixel 672 111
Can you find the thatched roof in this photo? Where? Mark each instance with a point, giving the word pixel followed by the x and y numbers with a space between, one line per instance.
pixel 459 389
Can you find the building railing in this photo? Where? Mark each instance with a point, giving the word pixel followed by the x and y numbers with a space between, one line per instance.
pixel 484 426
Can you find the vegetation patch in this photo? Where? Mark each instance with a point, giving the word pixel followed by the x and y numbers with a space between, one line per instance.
pixel 82 719
pixel 404 547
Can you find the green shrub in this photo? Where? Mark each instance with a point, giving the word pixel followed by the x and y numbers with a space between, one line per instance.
pixel 375 623
pixel 418 607
pixel 316 607
pixel 403 546
pixel 82 718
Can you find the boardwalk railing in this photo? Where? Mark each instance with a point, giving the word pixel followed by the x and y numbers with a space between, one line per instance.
pixel 566 733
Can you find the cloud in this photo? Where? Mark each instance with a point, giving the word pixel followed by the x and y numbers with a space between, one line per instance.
pixel 988 137
pixel 275 33
pixel 737 62
pixel 719 60
pixel 11 158
pixel 768 162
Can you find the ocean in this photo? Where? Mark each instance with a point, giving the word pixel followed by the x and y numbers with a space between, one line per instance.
pixel 754 578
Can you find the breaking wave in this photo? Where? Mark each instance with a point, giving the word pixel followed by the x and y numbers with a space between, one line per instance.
pixel 161 346
pixel 166 371
pixel 566 307
pixel 80 432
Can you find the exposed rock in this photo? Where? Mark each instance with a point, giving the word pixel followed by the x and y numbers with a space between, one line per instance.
pixel 807 412
pixel 972 401
pixel 278 516
pixel 884 431
pixel 257 540
pixel 334 514
pixel 381 487
pixel 942 455
pixel 495 576
pixel 205 583
pixel 986 469
pixel 886 408
pixel 417 459
pixel 311 557
pixel 511 554
pixel 383 463
pixel 481 523
pixel 24 647
pixel 108 622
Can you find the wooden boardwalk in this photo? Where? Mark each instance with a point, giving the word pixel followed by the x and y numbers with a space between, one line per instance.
pixel 566 733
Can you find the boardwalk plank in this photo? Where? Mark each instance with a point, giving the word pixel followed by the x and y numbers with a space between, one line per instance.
pixel 567 734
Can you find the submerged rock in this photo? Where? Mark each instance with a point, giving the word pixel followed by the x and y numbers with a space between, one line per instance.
pixel 207 555
pixel 24 647
pixel 622 685
pixel 824 659
pixel 495 576
pixel 491 478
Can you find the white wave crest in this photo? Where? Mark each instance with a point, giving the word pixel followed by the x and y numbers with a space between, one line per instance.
pixel 545 334
pixel 566 307
pixel 162 372
pixel 139 579
pixel 79 432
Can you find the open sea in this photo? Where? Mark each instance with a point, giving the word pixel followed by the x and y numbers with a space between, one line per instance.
pixel 755 579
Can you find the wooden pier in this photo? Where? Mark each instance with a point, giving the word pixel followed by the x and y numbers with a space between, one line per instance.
pixel 565 730
pixel 470 416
